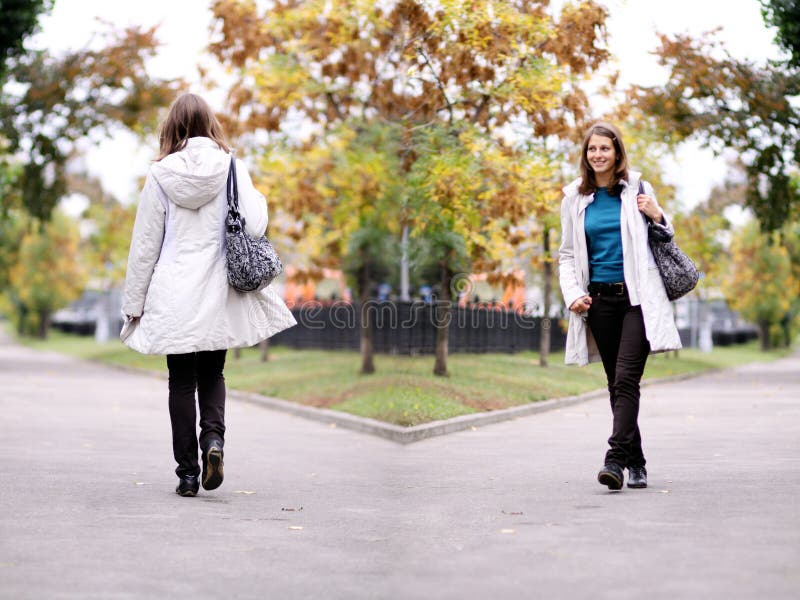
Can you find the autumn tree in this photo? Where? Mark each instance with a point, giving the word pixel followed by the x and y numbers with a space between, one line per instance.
pixel 48 273
pixel 729 103
pixel 50 102
pixel 791 241
pixel 761 284
pixel 108 224
pixel 467 70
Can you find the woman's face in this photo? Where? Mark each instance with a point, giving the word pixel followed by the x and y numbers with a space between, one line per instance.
pixel 601 155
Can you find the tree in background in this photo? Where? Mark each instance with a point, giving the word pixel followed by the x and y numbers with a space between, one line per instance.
pixel 791 241
pixel 108 224
pixel 703 232
pixel 474 69
pixel 49 103
pixel 20 18
pixel 47 274
pixel 785 16
pixel 761 284
pixel 725 102
pixel 363 183
pixel 336 201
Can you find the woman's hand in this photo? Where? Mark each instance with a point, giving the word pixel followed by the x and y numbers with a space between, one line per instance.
pixel 649 206
pixel 581 305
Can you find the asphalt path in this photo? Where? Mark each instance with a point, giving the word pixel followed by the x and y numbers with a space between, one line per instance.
pixel 308 510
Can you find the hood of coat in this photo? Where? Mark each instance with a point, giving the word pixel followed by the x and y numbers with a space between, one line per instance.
pixel 194 176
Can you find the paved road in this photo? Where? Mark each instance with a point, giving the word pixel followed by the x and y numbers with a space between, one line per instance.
pixel 87 508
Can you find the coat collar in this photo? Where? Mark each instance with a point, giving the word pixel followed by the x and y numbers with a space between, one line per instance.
pixel 582 201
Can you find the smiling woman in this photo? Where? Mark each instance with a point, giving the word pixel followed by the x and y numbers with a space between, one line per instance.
pixel 619 312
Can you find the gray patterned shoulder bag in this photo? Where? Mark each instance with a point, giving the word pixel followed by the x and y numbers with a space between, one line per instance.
pixel 678 271
pixel 252 261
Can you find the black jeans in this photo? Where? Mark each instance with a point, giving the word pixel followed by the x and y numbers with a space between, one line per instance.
pixel 201 371
pixel 618 329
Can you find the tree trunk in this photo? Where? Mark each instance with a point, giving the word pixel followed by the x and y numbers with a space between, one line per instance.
pixel 547 272
pixel 367 347
pixel 405 296
pixel 44 324
pixel 22 313
pixel 763 334
pixel 442 323
pixel 264 347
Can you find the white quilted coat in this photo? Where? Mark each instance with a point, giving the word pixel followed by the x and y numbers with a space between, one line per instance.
pixel 176 279
pixel 641 274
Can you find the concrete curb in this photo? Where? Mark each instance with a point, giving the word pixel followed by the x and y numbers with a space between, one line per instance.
pixel 409 435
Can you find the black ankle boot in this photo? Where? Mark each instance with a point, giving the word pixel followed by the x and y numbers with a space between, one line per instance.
pixel 611 475
pixel 637 477
pixel 188 485
pixel 212 466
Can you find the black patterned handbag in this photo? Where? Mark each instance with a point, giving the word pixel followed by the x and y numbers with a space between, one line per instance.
pixel 252 261
pixel 678 271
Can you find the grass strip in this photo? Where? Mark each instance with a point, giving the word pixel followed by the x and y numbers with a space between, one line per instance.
pixel 404 391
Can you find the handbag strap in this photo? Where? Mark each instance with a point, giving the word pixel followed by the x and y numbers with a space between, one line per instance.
pixel 233 190
pixel 647 219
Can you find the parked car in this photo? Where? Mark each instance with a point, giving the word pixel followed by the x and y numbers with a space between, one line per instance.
pixel 81 317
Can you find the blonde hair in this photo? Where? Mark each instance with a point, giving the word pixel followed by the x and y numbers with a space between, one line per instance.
pixel 588 183
pixel 189 116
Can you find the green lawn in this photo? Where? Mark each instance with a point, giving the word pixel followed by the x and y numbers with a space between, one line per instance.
pixel 403 391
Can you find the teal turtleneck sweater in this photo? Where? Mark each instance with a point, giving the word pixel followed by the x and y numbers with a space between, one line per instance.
pixel 604 238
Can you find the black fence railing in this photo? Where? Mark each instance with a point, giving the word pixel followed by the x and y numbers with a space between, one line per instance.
pixel 722 337
pixel 410 328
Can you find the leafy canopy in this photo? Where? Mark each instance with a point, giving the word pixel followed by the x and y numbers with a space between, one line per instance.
pixel 55 101
pixel 785 16
pixel 20 18
pixel 725 102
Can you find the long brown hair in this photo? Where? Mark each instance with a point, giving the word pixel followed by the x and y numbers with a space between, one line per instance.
pixel 189 116
pixel 588 184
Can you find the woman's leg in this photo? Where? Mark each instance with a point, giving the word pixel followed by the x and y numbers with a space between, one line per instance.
pixel 211 396
pixel 626 440
pixel 182 413
pixel 618 329
pixel 605 321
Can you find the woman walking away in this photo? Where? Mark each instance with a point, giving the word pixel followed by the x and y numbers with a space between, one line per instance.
pixel 177 299
pixel 619 311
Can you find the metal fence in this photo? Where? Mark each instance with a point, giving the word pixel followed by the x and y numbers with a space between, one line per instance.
pixel 410 328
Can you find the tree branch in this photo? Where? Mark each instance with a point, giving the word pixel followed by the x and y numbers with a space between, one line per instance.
pixel 439 83
pixel 335 105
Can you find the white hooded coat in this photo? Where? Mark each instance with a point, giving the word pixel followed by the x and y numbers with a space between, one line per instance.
pixel 642 278
pixel 176 279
